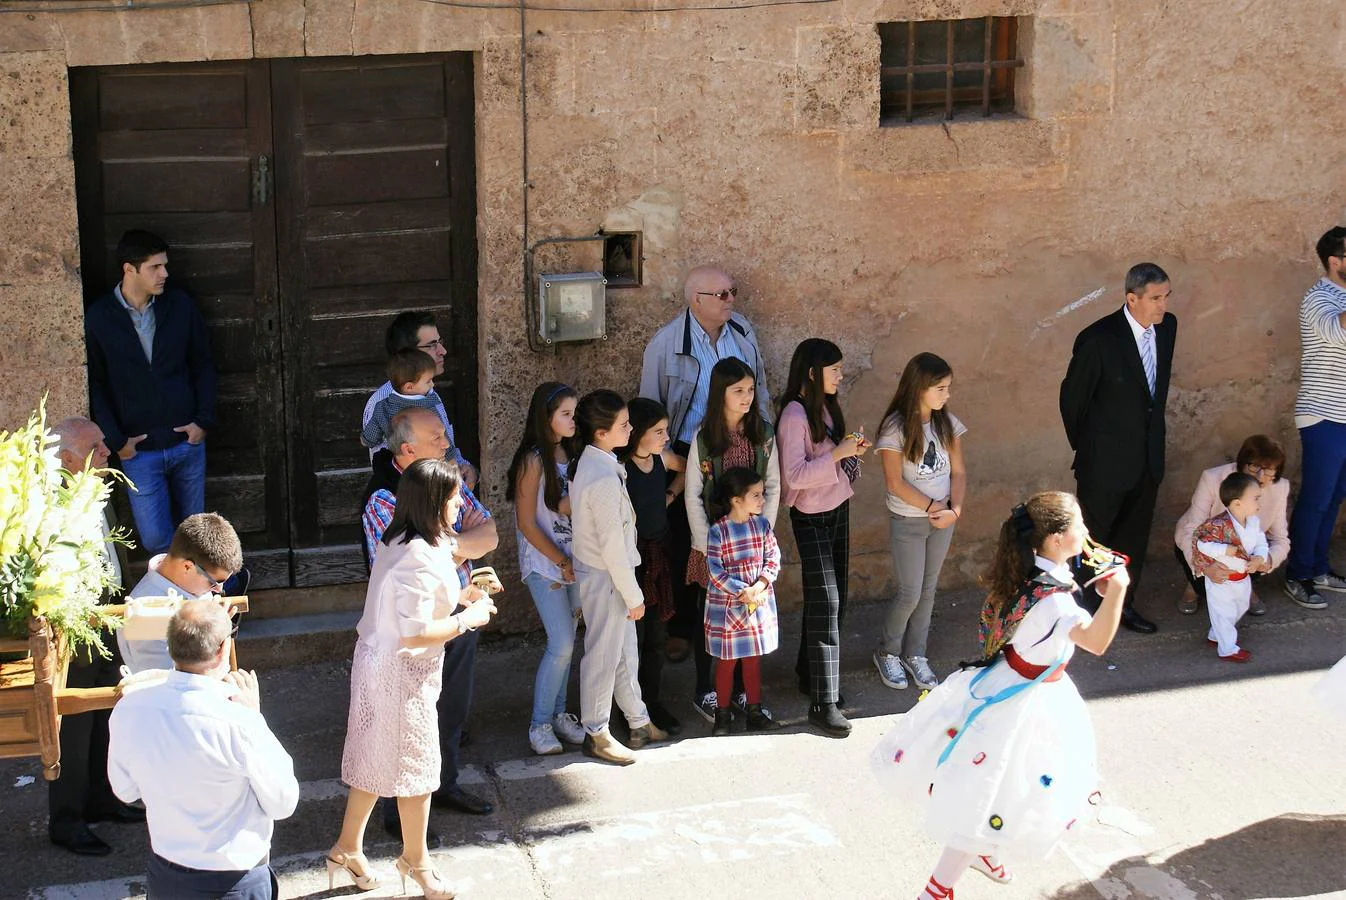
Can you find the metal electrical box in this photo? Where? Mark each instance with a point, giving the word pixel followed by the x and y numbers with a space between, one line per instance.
pixel 572 307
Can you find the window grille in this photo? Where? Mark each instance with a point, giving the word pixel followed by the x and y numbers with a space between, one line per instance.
pixel 936 69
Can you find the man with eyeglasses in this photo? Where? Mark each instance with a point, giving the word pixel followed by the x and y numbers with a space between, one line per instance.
pixel 204 554
pixel 1320 416
pixel 676 372
pixel 418 330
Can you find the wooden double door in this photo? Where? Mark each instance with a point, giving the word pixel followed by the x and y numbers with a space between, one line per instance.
pixel 306 203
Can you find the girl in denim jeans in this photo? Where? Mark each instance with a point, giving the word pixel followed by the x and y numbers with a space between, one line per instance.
pixel 538 487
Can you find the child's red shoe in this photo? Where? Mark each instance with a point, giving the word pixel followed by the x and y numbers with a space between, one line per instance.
pixel 1241 656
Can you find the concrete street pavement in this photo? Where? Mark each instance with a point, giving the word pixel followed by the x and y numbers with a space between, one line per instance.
pixel 1222 781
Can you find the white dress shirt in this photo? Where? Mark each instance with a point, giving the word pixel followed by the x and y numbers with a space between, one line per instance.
pixel 211 773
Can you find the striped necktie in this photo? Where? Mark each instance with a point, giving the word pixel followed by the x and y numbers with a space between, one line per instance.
pixel 1147 356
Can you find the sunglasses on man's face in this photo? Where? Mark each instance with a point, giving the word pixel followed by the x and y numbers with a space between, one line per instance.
pixel 719 295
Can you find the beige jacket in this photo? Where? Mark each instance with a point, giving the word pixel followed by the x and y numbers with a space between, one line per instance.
pixel 603 522
pixel 1206 505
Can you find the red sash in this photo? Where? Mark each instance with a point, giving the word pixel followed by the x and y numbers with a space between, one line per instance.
pixel 1027 669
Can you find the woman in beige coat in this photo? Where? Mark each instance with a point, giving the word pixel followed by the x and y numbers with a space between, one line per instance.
pixel 1263 458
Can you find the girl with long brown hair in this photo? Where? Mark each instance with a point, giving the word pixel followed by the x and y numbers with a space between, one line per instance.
pixel 819 458
pixel 1018 781
pixel 539 488
pixel 732 434
pixel 921 447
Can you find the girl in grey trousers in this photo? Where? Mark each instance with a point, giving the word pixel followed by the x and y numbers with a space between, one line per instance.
pixel 920 444
pixel 604 548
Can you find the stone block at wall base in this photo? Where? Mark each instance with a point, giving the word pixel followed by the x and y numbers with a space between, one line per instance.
pixel 45 321
pixel 66 388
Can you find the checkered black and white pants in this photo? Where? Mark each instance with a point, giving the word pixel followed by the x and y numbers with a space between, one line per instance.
pixel 823 540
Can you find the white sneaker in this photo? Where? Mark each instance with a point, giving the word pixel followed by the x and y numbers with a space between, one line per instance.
pixel 543 740
pixel 921 673
pixel 890 670
pixel 568 728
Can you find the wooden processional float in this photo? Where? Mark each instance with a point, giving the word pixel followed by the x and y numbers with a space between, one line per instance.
pixel 34 695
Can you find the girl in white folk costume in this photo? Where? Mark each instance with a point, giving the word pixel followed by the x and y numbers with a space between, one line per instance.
pixel 604 548
pixel 1001 755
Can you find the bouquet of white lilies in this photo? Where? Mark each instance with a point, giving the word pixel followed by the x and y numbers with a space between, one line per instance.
pixel 53 555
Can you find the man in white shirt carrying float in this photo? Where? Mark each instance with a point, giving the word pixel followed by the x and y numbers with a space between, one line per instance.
pixel 213 777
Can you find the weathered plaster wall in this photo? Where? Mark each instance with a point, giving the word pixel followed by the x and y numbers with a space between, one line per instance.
pixel 1179 132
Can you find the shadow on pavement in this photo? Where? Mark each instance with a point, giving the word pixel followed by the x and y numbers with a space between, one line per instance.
pixel 1291 855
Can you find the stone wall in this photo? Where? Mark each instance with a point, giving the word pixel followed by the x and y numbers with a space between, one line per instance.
pixel 1180 132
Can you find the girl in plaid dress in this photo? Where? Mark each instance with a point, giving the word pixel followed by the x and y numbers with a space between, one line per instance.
pixel 743 560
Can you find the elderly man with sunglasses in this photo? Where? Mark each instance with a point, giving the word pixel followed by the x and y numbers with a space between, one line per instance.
pixel 203 555
pixel 676 372
pixel 680 356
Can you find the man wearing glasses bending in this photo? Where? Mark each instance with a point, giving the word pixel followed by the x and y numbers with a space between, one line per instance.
pixel 676 372
pixel 204 554
pixel 418 330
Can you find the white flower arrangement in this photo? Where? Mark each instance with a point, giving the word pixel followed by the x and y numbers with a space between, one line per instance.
pixel 53 557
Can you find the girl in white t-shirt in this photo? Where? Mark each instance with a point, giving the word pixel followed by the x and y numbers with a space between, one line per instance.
pixel 926 481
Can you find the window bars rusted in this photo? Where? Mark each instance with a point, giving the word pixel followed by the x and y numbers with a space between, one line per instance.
pixel 975 57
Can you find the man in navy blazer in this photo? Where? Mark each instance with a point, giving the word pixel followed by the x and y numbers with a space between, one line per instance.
pixel 152 388
pixel 1112 404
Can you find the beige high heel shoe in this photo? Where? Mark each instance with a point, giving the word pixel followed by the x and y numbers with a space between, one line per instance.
pixel 337 861
pixel 432 885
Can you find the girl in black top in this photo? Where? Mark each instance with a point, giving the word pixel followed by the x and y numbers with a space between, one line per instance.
pixel 649 465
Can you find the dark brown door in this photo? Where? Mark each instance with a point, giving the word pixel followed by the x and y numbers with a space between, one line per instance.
pixel 180 150
pixel 376 208
pixel 307 203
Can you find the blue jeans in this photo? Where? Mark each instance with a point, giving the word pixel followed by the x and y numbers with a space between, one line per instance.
pixel 1322 488
pixel 556 604
pixel 169 486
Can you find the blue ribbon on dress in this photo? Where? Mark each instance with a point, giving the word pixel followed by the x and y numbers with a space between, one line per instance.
pixel 999 696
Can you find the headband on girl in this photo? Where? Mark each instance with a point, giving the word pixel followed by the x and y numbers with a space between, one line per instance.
pixel 561 389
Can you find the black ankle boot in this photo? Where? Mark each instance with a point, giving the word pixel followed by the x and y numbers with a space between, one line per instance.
pixel 759 719
pixel 828 719
pixel 724 717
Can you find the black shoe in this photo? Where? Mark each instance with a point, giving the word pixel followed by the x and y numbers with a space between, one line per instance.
pixel 760 718
pixel 828 719
pixel 662 718
pixel 79 839
pixel 455 798
pixel 841 701
pixel 724 717
pixel 394 828
pixel 1134 621
pixel 122 812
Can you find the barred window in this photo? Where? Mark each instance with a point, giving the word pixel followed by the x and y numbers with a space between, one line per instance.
pixel 937 70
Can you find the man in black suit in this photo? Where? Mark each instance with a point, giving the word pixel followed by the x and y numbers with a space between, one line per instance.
pixel 83 793
pixel 1112 403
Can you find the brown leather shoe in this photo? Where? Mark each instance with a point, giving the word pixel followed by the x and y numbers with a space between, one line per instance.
pixel 677 649
pixel 607 748
pixel 646 734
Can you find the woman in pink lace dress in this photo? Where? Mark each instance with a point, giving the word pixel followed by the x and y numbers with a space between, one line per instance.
pixel 392 734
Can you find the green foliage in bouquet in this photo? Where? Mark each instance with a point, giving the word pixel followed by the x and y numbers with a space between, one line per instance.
pixel 53 561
